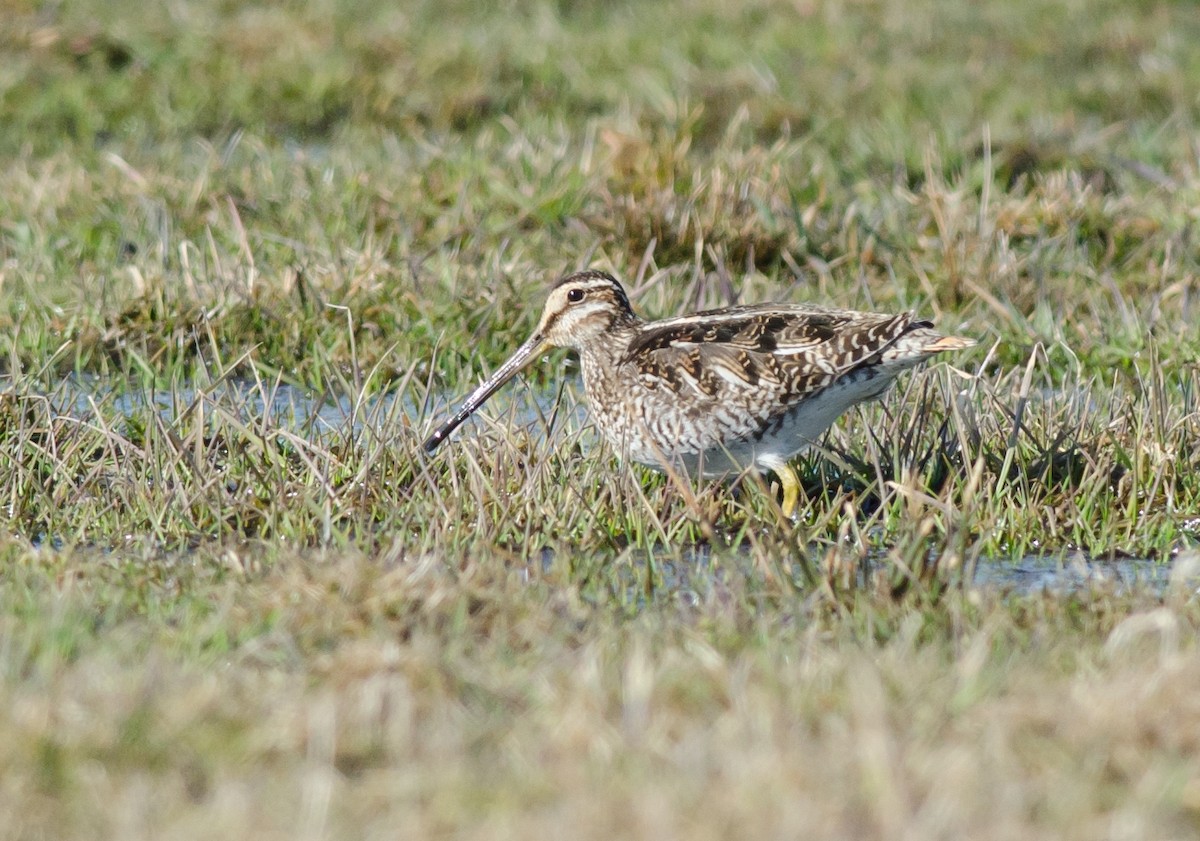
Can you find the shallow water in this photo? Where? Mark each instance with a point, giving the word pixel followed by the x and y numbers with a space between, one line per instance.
pixel 691 573
pixel 1035 574
pixel 283 405
pixel 297 409
pixel 692 570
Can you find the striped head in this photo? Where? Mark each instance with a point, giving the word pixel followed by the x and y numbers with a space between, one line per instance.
pixel 581 307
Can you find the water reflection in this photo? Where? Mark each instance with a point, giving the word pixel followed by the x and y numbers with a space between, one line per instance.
pixel 687 572
pixel 291 408
pixel 1033 574
pixel 691 573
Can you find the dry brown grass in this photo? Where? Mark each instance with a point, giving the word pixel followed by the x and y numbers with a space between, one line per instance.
pixel 326 695
pixel 215 620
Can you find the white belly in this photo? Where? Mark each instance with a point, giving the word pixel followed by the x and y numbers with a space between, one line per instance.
pixel 791 434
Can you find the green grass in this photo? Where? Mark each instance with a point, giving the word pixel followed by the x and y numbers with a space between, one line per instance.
pixel 337 693
pixel 215 619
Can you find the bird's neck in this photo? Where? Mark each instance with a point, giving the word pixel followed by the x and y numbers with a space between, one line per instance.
pixel 604 353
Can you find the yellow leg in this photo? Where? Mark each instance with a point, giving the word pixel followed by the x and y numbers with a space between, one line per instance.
pixel 787 480
pixel 791 488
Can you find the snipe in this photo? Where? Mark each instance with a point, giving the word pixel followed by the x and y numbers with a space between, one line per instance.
pixel 722 391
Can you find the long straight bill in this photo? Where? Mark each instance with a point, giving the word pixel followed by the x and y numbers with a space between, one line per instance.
pixel 523 355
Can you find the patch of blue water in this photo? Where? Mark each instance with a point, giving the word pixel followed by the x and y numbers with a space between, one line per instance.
pixel 687 574
pixel 298 409
pixel 1074 573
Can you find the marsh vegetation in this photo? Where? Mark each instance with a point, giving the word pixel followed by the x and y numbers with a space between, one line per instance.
pixel 250 254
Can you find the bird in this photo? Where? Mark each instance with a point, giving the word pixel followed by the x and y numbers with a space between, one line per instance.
pixel 721 392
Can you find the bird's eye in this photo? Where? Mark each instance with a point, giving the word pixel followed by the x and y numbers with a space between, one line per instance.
pixel 575 295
